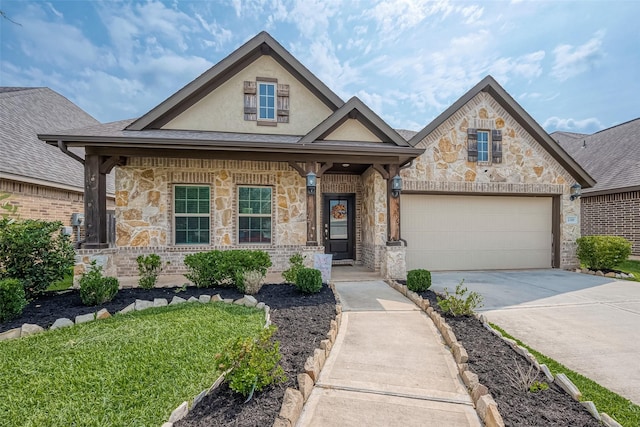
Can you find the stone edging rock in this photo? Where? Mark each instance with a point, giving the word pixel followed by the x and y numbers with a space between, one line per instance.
pixel 294 399
pixel 611 275
pixel 486 406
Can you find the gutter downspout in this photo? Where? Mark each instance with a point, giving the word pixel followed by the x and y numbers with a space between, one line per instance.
pixel 63 147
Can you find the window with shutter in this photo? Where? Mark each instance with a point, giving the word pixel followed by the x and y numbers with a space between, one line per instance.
pixel 472 145
pixel 482 139
pixel 266 102
pixel 496 146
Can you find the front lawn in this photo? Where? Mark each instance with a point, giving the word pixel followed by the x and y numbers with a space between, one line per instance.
pixel 129 369
pixel 631 266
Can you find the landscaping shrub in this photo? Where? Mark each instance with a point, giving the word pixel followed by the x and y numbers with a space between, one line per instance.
pixel 7 210
pixel 252 282
pixel 458 304
pixel 418 280
pixel 252 363
pixel 34 252
pixel 603 252
pixel 95 288
pixel 12 299
pixel 149 267
pixel 225 268
pixel 296 263
pixel 309 280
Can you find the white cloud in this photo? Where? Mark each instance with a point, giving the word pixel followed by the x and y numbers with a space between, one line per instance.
pixel 221 35
pixel 571 61
pixel 556 123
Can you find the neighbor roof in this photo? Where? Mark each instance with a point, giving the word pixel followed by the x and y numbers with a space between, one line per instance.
pixel 491 86
pixel 611 156
pixel 25 112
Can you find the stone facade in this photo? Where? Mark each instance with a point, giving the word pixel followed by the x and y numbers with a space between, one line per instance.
pixel 526 167
pixel 613 214
pixel 374 219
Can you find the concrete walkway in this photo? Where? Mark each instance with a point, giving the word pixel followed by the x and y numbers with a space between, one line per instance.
pixel 388 367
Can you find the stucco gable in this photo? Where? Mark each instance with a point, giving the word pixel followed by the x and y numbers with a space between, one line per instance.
pixel 261 45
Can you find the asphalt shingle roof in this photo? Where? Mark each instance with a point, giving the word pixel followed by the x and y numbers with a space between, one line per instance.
pixel 26 112
pixel 611 156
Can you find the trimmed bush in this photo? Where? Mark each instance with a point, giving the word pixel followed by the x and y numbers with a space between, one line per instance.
pixel 34 252
pixel 252 363
pixel 309 280
pixel 12 299
pixel 296 263
pixel 603 252
pixel 95 288
pixel 459 303
pixel 225 268
pixel 418 280
pixel 252 282
pixel 149 268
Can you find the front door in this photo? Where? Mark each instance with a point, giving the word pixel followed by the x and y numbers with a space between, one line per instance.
pixel 339 225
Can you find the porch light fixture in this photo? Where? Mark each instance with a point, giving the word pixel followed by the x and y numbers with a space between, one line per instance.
pixel 575 191
pixel 311 183
pixel 396 186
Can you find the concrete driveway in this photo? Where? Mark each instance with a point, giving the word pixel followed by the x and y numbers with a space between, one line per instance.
pixel 590 324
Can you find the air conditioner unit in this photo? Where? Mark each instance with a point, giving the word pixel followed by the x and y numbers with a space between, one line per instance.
pixel 77 219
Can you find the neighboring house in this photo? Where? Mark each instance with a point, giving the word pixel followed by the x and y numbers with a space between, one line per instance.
pixel 612 157
pixel 258 153
pixel 43 182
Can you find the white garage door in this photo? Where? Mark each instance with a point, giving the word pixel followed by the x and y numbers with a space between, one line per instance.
pixel 476 232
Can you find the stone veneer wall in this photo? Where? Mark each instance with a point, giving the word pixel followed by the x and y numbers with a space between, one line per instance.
pixel 374 219
pixel 144 218
pixel 349 184
pixel 613 214
pixel 526 167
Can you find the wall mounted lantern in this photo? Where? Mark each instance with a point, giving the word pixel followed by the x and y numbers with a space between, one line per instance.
pixel 575 191
pixel 396 186
pixel 311 183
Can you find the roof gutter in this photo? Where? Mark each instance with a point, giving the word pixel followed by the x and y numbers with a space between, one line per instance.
pixel 63 147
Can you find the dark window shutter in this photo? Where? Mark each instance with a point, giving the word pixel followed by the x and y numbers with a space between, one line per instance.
pixel 496 146
pixel 250 101
pixel 283 103
pixel 472 145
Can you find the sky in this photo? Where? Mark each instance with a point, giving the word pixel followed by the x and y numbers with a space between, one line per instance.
pixel 572 65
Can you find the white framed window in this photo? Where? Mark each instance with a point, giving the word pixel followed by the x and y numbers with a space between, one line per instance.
pixel 191 214
pixel 267 101
pixel 483 146
pixel 254 214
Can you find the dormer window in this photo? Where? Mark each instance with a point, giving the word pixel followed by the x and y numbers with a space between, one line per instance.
pixel 266 102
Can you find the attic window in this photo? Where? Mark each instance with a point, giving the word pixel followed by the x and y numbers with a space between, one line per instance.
pixel 266 102
pixel 484 146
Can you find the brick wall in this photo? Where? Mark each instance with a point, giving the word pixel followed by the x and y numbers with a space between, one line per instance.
pixel 613 214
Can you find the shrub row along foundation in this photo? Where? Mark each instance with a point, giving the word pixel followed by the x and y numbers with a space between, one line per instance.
pixel 294 399
pixel 485 405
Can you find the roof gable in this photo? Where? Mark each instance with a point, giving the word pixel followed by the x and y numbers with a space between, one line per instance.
pixel 261 44
pixel 490 85
pixel 355 109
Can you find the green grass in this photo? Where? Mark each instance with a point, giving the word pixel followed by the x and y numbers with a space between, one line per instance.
pixel 621 409
pixel 65 283
pixel 131 369
pixel 630 266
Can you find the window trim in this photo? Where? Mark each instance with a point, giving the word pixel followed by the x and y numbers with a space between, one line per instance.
pixel 488 141
pixel 176 215
pixel 245 215
pixel 267 120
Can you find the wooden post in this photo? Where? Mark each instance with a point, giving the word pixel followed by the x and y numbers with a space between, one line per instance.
pixel 312 220
pixel 95 203
pixel 393 208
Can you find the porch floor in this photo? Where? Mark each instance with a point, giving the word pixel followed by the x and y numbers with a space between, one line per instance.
pixel 353 273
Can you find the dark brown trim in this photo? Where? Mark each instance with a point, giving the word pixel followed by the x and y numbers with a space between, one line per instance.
pixel 261 44
pixel 556 203
pixel 354 108
pixel 611 191
pixel 393 207
pixel 491 86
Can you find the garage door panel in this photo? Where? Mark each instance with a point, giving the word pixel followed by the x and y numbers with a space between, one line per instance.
pixel 476 232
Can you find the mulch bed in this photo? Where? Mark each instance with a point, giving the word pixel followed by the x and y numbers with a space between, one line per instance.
pixel 302 321
pixel 492 359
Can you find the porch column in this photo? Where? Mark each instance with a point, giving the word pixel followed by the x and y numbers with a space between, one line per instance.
pixel 312 220
pixel 393 209
pixel 95 203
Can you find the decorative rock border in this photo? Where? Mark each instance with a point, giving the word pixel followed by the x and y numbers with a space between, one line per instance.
pixel 486 406
pixel 601 274
pixel 294 399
